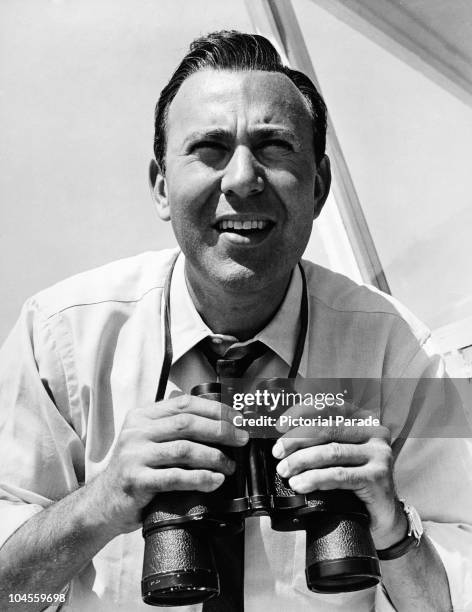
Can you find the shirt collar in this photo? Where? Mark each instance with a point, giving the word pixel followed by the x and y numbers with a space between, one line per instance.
pixel 280 334
pixel 187 326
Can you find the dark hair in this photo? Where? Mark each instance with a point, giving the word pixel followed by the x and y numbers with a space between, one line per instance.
pixel 232 50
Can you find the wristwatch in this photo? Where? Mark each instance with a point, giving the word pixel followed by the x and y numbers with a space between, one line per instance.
pixel 413 537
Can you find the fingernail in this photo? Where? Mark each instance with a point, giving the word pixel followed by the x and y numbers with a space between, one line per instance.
pixel 218 478
pixel 282 469
pixel 278 450
pixel 242 435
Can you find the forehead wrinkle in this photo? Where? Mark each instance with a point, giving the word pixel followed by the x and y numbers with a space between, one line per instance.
pixel 237 98
pixel 213 107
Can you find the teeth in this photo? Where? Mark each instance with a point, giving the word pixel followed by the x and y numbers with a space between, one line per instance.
pixel 239 225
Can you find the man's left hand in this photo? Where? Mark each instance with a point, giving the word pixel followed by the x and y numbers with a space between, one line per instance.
pixel 358 458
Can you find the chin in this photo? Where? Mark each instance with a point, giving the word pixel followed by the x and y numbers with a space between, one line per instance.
pixel 237 277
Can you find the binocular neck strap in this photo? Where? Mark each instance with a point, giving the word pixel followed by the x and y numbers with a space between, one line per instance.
pixel 168 352
pixel 301 338
pixel 167 362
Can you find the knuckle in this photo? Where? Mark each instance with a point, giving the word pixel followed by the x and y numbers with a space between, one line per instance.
pixel 128 476
pixel 382 472
pixel 181 449
pixel 354 479
pixel 182 401
pixel 383 451
pixel 341 474
pixel 182 422
pixel 371 476
pixel 335 452
pixel 331 433
pixel 128 488
pixel 125 454
pixel 131 482
pixel 155 454
pixel 387 455
pixel 170 477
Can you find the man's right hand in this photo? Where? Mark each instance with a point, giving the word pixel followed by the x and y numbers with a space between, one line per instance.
pixel 166 446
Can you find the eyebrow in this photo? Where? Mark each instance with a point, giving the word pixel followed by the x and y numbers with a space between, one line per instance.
pixel 264 129
pixel 268 130
pixel 207 133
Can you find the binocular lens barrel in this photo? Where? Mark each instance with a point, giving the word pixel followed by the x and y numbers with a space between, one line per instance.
pixel 342 560
pixel 178 568
pixel 340 553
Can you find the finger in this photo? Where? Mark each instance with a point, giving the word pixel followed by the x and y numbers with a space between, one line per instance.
pixel 200 406
pixel 179 479
pixel 327 455
pixel 185 453
pixel 353 478
pixel 186 426
pixel 303 437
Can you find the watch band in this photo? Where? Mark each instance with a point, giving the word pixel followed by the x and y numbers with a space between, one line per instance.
pixel 412 539
pixel 398 549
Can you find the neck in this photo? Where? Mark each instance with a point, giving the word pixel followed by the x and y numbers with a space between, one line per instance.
pixel 235 312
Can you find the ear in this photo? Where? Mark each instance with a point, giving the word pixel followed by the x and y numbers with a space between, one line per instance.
pixel 322 184
pixel 158 187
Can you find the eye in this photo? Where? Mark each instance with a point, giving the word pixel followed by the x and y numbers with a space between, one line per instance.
pixel 207 144
pixel 276 146
pixel 209 152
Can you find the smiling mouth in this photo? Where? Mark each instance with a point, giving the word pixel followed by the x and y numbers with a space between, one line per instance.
pixel 247 228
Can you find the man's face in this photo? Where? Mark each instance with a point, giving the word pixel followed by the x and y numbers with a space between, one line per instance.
pixel 240 176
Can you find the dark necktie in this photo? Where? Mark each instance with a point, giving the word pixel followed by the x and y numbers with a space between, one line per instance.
pixel 235 361
pixel 229 550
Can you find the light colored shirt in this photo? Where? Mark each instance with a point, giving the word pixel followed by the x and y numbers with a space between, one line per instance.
pixel 89 349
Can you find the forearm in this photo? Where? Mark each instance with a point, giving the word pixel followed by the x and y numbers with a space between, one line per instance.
pixel 45 553
pixel 417 580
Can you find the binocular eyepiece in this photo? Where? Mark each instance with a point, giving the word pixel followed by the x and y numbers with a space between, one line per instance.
pixel 179 527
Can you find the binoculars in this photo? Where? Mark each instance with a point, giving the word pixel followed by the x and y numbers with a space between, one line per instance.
pixel 180 526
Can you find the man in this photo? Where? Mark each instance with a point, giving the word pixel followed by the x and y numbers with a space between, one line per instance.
pixel 241 173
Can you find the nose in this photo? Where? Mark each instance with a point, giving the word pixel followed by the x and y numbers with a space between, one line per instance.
pixel 242 176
